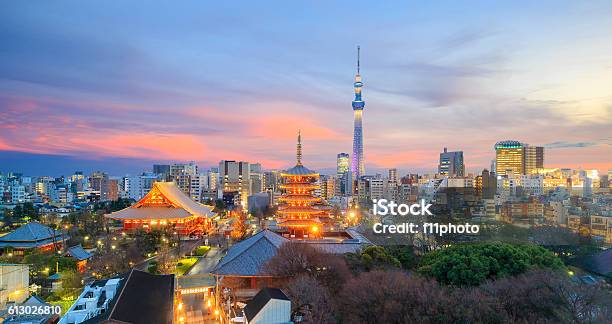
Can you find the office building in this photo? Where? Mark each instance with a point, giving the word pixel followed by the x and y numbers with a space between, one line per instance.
pixel 509 158
pixel 534 159
pixel 451 164
pixel 343 175
pixel 163 169
pixel 235 181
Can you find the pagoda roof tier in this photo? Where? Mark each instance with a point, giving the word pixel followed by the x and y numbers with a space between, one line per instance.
pixel 306 198
pixel 299 210
pixel 297 185
pixel 164 201
pixel 299 170
pixel 299 222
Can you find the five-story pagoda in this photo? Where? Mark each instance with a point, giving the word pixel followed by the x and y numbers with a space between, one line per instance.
pixel 301 212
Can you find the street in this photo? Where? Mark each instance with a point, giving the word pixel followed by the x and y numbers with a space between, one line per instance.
pixel 207 263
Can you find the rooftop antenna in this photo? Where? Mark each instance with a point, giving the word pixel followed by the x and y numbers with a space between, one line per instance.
pixel 358 54
pixel 299 148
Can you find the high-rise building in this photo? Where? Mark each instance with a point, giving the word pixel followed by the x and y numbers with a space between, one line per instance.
pixel 161 169
pixel 342 164
pixel 343 175
pixel 99 182
pixel 213 179
pixel 357 163
pixel 488 184
pixel 393 176
pixel 272 180
pixel 451 164
pixel 534 159
pixel 182 174
pixel 256 175
pixel 509 158
pixel 234 178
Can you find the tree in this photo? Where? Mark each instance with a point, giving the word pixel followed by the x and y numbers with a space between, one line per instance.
pixel 219 206
pixel 239 226
pixel 387 297
pixel 371 258
pixel 404 254
pixel 313 299
pixel 541 295
pixel 471 264
pixel 294 259
pixel 26 210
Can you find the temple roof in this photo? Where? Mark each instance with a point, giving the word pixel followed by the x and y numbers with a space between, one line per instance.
pixel 299 222
pixel 299 170
pixel 78 253
pixel 164 201
pixel 31 235
pixel 247 257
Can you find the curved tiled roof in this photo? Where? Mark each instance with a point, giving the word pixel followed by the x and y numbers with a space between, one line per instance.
pixel 32 235
pixel 150 212
pixel 247 257
pixel 78 253
pixel 179 205
pixel 299 170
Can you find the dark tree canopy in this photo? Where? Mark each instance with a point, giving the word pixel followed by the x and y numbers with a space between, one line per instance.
pixel 372 258
pixel 471 264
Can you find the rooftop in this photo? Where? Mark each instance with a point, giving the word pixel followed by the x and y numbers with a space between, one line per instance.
pixel 255 305
pixel 164 201
pixel 247 257
pixel 32 235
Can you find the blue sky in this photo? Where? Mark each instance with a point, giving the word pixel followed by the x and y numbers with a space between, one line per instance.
pixel 129 83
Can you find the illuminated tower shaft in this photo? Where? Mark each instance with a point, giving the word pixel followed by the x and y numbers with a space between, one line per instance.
pixel 357 160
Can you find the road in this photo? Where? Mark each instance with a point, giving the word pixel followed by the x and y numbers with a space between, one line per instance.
pixel 207 263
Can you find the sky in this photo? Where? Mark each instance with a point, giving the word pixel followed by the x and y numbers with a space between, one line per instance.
pixel 120 85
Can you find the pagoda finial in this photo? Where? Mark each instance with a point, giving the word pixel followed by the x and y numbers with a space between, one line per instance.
pixel 358 57
pixel 299 148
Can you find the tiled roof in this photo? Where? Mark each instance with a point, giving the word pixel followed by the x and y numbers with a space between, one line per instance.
pixel 149 212
pixel 182 206
pixel 31 235
pixel 78 253
pixel 299 170
pixel 171 191
pixel 247 257
pixel 337 247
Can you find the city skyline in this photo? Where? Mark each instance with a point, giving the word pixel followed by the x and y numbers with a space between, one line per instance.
pixel 95 87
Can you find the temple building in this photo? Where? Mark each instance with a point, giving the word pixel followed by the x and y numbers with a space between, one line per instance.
pixel 166 206
pixel 31 236
pixel 301 214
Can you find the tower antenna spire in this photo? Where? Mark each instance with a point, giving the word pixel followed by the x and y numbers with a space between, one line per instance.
pixel 358 57
pixel 299 148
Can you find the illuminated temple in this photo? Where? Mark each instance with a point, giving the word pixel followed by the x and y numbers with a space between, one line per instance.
pixel 301 214
pixel 166 206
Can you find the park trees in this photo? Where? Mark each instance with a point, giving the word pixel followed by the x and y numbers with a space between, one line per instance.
pixel 371 258
pixel 471 264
